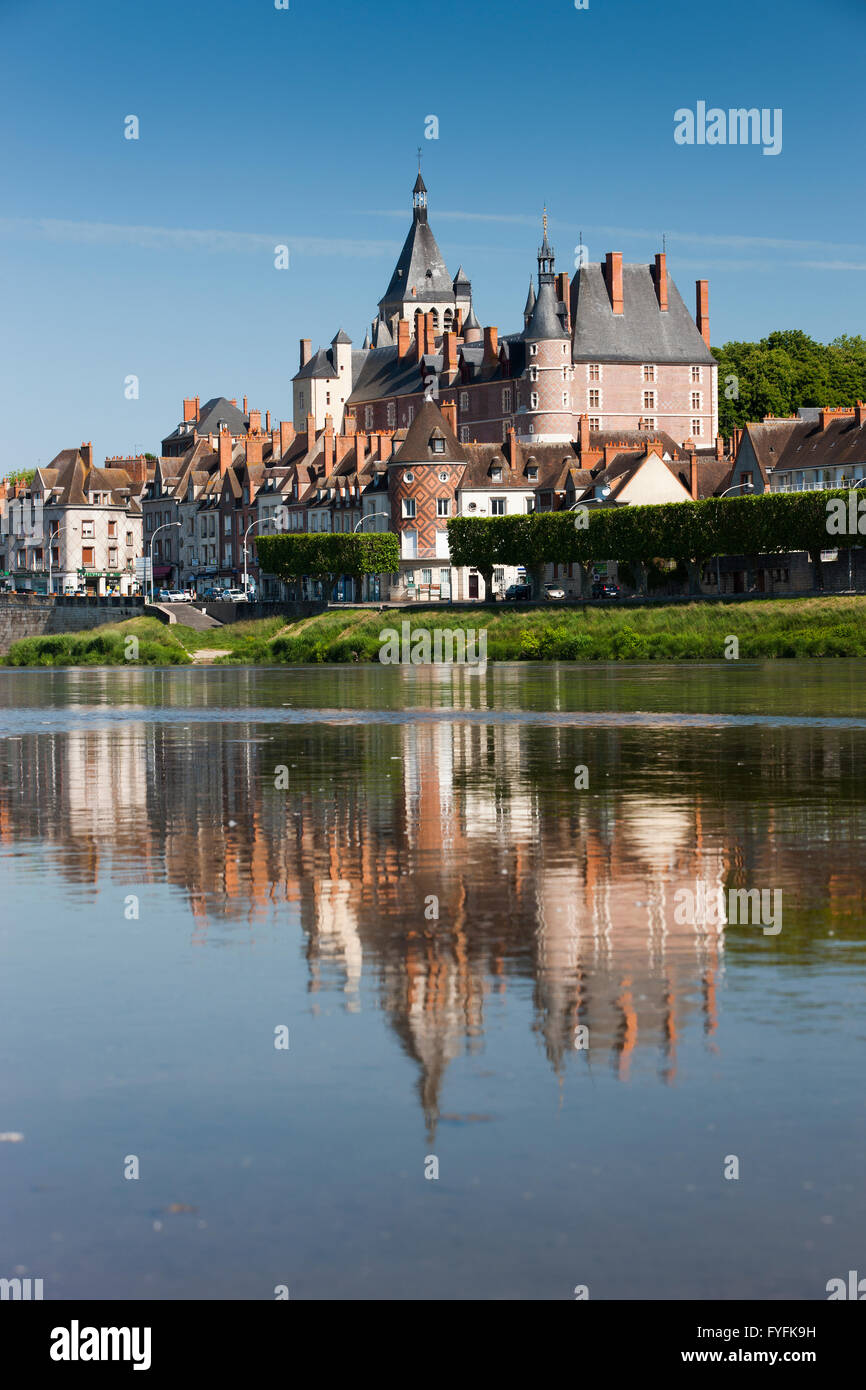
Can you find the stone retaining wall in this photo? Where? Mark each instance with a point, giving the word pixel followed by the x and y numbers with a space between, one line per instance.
pixel 35 615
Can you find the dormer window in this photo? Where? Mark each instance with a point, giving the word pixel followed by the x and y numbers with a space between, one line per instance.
pixel 439 446
pixel 496 475
pixel 532 473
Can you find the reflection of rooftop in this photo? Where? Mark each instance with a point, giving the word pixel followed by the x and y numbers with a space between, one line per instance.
pixel 530 882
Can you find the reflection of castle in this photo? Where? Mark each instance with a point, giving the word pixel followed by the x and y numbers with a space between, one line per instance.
pixel 533 881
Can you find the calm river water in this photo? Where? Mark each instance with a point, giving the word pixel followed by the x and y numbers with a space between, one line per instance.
pixel 481 967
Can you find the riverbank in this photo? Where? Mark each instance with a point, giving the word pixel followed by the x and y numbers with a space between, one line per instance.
pixel 831 626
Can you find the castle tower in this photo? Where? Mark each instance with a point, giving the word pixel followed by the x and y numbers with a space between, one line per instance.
pixel 545 394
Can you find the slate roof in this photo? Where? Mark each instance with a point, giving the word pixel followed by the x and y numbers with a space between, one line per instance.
pixel 791 444
pixel 341 338
pixel 545 321
pixel 642 332
pixel 421 268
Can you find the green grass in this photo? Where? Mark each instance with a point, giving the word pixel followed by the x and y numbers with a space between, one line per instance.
pixel 102 646
pixel 776 628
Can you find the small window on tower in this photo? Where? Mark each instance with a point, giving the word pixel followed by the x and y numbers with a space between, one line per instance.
pixel 439 446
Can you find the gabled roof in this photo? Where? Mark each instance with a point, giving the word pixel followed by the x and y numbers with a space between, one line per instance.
pixel 642 332
pixel 341 337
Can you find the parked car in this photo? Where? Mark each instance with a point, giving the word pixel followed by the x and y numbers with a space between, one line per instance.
pixel 176 596
pixel 603 588
pixel 518 591
pixel 163 595
pixel 235 596
pixel 553 591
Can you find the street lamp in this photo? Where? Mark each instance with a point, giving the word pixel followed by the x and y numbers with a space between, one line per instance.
pixel 367 518
pixel 260 521
pixel 164 527
pixel 748 487
pixel 575 506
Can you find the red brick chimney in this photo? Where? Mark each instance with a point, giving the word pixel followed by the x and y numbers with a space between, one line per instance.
pixel 225 451
pixel 86 452
pixel 449 413
pixel 513 448
pixel 255 424
pixel 360 449
pixel 253 448
pixel 860 414
pixel 693 475
pixel 328 445
pixel 702 315
pixel 386 447
pixel 613 279
pixel 583 445
pixel 311 433
pixel 720 447
pixel 457 322
pixel 449 353
pixel 344 442
pixel 491 345
pixel 660 276
pixel 267 422
pixel 275 445
pixel 287 436
pixel 403 338
pixel 245 405
pixel 610 453
pixel 190 408
pixel 306 351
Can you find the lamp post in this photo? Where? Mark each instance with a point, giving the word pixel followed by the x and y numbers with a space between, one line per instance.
pixel 575 506
pixel 748 487
pixel 164 527
pixel 359 524
pixel 259 521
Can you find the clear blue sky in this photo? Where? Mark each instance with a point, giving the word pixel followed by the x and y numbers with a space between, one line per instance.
pixel 259 126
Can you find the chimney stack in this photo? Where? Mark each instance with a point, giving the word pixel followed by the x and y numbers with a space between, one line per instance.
pixel 267 422
pixel 449 353
pixel 583 435
pixel 225 450
pixel 255 424
pixel 86 452
pixel 287 436
pixel 702 316
pixel 245 405
pixel 403 336
pixel 386 447
pixel 449 413
pixel 328 445
pixel 253 450
pixel 720 447
pixel 311 433
pixel 660 275
pixel 693 475
pixel 190 408
pixel 491 345
pixel 613 279
pixel 306 351
pixel 860 414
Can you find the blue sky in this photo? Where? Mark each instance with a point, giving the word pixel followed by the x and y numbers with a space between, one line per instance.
pixel 260 127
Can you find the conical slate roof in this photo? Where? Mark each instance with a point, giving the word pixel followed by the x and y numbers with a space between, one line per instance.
pixel 429 424
pixel 530 298
pixel 471 321
pixel 342 338
pixel 545 322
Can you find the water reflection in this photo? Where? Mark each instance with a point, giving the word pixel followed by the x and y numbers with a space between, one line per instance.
pixel 436 867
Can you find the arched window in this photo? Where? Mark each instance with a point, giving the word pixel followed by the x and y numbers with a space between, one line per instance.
pixel 449 319
pixel 435 313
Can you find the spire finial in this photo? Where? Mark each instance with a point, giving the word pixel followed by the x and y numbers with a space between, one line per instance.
pixel 545 219
pixel 664 243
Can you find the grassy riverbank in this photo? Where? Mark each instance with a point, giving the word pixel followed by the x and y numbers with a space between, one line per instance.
pixel 804 627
